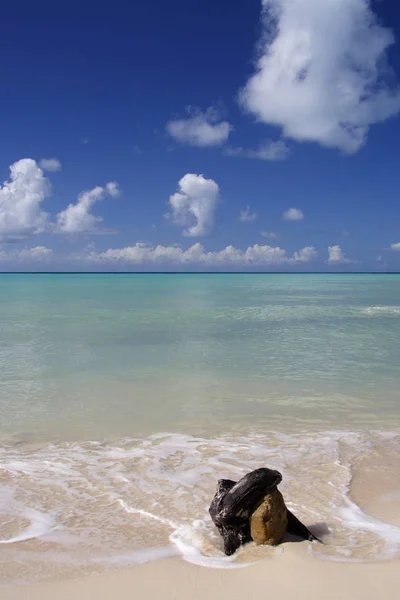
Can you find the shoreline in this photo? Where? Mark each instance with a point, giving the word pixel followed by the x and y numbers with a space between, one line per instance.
pixel 292 571
pixel 365 493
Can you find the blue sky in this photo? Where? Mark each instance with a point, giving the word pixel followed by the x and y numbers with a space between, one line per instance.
pixel 257 135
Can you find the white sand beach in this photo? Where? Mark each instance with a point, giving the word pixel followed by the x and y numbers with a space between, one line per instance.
pixel 294 574
pixel 290 573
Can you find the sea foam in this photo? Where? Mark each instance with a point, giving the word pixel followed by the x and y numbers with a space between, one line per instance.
pixel 141 499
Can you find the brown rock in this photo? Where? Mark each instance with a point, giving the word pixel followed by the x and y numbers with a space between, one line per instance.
pixel 269 521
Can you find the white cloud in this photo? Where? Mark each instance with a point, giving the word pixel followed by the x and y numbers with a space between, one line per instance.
pixel 267 151
pixel 77 218
pixel 269 234
pixel 293 214
pixel 306 255
pixel 195 204
pixel 200 129
pixel 113 189
pixel 50 164
pixel 321 74
pixel 36 254
pixel 337 256
pixel 196 255
pixel 20 201
pixel 21 198
pixel 395 246
pixel 246 216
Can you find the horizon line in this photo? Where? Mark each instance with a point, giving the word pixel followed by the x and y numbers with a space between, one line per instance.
pixel 199 273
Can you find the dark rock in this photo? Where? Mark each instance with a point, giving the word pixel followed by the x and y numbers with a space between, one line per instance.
pixel 235 532
pixel 234 503
pixel 244 496
pixel 296 527
pixel 253 508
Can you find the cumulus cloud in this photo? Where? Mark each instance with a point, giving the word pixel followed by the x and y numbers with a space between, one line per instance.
pixel 321 74
pixel 306 255
pixel 36 254
pixel 20 201
pixel 194 205
pixel 78 218
pixel 50 164
pixel 200 129
pixel 246 215
pixel 293 214
pixel 21 198
pixel 269 234
pixel 196 255
pixel 337 256
pixel 395 246
pixel 267 151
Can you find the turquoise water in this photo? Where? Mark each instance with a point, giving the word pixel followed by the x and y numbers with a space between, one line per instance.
pixel 123 398
pixel 120 354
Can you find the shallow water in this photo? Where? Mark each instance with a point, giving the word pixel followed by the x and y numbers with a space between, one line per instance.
pixel 124 398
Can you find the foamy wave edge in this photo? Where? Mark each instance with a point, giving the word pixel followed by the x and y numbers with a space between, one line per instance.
pixel 186 538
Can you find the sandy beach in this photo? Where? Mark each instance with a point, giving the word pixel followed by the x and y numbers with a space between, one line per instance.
pixel 293 574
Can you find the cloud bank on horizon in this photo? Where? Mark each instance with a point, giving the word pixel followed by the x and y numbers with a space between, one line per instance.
pixel 197 255
pixel 193 207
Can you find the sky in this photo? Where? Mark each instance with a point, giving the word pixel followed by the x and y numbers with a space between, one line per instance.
pixel 256 135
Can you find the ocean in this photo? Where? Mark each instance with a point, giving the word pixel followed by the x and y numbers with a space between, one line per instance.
pixel 125 397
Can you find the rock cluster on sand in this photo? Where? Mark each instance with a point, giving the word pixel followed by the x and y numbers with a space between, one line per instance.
pixel 254 509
